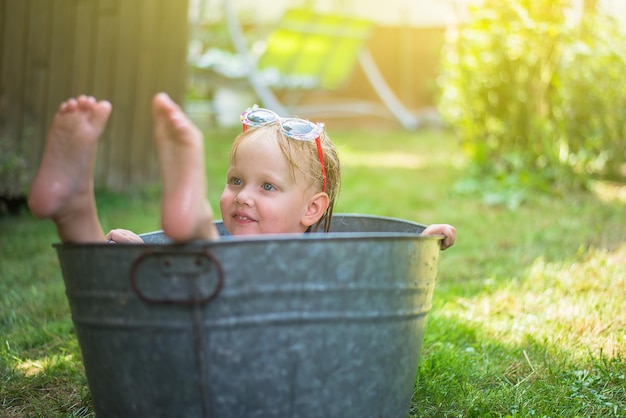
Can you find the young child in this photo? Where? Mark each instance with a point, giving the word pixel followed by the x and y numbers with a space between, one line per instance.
pixel 284 176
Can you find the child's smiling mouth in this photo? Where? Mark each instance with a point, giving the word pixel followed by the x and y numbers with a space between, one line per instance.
pixel 243 218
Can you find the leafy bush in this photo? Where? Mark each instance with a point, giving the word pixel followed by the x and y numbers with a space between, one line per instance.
pixel 534 96
pixel 13 174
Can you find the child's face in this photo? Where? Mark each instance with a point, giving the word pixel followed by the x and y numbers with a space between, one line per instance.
pixel 261 194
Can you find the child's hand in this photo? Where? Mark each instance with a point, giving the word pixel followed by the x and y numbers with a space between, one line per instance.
pixel 448 231
pixel 123 236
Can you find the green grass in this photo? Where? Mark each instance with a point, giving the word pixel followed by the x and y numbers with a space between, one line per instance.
pixel 528 319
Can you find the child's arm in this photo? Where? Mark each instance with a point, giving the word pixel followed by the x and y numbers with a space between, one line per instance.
pixel 124 236
pixel 448 231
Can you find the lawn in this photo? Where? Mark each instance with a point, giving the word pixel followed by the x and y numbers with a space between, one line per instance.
pixel 529 312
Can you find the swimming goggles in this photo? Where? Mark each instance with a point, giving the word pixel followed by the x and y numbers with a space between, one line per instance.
pixel 295 128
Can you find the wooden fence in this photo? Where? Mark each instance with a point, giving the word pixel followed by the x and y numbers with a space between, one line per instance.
pixel 121 50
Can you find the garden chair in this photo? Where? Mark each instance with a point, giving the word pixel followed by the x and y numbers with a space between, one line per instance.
pixel 311 51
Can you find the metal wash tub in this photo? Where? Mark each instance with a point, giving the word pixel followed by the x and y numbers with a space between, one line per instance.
pixel 313 325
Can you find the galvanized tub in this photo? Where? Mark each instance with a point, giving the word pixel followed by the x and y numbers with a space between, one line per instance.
pixel 313 325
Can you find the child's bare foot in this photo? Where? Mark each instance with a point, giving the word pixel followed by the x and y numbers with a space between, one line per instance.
pixel 185 213
pixel 63 187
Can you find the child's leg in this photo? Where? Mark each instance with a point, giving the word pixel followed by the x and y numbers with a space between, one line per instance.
pixel 63 187
pixel 185 214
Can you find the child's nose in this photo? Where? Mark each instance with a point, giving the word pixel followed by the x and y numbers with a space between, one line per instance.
pixel 244 197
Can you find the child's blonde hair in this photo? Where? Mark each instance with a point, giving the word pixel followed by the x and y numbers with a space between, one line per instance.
pixel 303 156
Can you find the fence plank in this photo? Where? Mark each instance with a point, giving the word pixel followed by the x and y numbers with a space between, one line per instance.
pixel 12 71
pixel 3 12
pixel 173 60
pixel 105 61
pixel 11 97
pixel 60 46
pixel 37 83
pixel 143 143
pixel 122 96
pixel 83 50
pixel 120 50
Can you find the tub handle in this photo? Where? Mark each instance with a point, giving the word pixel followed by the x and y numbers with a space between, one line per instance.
pixel 185 275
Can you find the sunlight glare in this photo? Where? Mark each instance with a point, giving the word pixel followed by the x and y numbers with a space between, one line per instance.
pixel 30 367
pixel 609 192
pixel 379 159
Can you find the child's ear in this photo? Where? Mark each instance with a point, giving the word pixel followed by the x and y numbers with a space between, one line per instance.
pixel 318 203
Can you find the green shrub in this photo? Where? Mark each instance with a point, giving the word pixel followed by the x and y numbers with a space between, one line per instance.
pixel 13 174
pixel 534 96
pixel 591 99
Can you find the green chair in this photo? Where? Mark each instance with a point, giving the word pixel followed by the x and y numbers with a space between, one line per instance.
pixel 312 51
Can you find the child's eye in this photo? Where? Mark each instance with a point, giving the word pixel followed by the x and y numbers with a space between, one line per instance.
pixel 235 181
pixel 268 187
